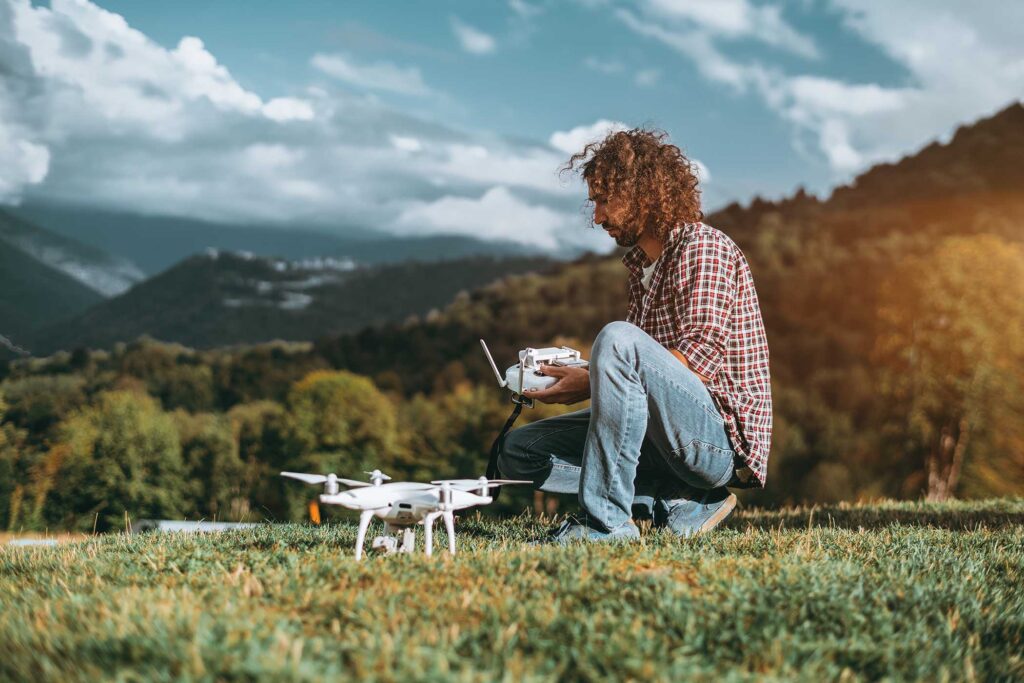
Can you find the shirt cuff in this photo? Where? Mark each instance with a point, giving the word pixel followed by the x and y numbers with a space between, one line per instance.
pixel 704 359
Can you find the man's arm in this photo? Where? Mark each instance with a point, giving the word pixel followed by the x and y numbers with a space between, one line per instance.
pixel 706 289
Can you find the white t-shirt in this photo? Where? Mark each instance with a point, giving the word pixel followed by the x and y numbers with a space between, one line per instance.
pixel 649 273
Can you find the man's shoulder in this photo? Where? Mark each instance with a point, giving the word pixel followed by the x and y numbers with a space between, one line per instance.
pixel 702 235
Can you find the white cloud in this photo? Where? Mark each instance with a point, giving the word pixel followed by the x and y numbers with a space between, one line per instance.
pixel 964 61
pixel 405 143
pixel 288 109
pixel 497 214
pixel 22 163
pixel 97 113
pixel 524 9
pixel 574 140
pixel 379 76
pixel 473 40
pixel 734 19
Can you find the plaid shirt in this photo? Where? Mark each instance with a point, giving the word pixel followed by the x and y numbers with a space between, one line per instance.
pixel 701 301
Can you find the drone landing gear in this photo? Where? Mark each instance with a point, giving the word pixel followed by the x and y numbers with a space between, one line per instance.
pixel 428 530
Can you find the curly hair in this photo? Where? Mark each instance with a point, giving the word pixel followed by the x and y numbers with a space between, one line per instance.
pixel 657 182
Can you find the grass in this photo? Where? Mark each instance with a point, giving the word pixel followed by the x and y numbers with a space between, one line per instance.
pixel 891 591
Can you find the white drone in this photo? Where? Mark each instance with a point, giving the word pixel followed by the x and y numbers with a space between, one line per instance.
pixel 403 505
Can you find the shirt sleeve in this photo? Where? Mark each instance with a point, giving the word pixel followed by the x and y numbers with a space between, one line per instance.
pixel 706 289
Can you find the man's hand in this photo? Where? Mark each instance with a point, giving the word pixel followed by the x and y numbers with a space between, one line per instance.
pixel 573 385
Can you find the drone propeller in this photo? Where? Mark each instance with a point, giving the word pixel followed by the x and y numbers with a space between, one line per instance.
pixel 308 478
pixel 481 483
pixel 330 481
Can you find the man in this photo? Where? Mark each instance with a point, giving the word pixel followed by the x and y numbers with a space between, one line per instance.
pixel 680 391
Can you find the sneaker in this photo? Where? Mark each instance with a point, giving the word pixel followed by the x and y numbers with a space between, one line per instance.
pixel 687 517
pixel 573 529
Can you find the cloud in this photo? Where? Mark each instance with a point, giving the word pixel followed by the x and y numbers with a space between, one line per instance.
pixel 288 109
pixel 124 123
pixel 379 76
pixel 524 9
pixel 497 214
pixel 473 40
pixel 733 19
pixel 574 140
pixel 963 61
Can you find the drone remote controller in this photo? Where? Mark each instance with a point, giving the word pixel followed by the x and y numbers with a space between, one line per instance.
pixel 525 375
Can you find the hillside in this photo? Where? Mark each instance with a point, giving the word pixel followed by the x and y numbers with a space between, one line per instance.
pixel 223 298
pixel 94 268
pixel 156 243
pixel 885 592
pixel 33 294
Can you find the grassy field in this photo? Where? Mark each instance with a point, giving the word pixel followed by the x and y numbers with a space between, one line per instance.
pixel 892 591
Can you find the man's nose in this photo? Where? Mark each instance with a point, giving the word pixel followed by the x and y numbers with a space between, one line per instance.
pixel 599 215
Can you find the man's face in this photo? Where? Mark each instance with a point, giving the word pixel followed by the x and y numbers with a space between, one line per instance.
pixel 610 214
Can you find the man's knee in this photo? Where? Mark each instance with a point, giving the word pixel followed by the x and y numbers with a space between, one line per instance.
pixel 617 338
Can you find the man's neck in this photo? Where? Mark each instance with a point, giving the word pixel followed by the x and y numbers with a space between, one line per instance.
pixel 652 246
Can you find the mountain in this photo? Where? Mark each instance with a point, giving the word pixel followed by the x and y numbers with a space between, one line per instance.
pixel 101 272
pixel 224 298
pixel 33 294
pixel 155 243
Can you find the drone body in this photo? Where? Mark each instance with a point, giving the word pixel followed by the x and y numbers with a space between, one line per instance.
pixel 404 505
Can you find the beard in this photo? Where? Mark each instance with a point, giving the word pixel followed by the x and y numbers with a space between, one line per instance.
pixel 624 237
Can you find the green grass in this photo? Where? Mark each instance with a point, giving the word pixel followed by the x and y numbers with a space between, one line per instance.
pixel 893 591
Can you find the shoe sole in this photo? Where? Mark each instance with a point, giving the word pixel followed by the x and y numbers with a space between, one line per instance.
pixel 714 520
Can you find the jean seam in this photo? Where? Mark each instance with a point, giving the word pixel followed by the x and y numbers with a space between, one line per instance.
pixel 615 463
pixel 715 414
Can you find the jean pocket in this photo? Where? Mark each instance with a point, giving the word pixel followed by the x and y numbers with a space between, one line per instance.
pixel 702 464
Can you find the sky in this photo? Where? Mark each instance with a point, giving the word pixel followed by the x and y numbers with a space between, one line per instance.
pixel 454 116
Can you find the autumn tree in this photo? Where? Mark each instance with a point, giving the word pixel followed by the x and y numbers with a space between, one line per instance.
pixel 952 355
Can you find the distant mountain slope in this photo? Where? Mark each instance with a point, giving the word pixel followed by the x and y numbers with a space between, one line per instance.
pixel 90 266
pixel 218 299
pixel 156 243
pixel 33 294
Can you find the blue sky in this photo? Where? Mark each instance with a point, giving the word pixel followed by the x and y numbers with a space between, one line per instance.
pixel 413 117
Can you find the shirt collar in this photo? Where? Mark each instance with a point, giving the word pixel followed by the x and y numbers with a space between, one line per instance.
pixel 636 258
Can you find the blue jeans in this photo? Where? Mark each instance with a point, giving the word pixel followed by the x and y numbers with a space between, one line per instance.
pixel 652 432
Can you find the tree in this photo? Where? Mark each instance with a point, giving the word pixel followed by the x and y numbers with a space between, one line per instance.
pixel 121 455
pixel 341 422
pixel 954 356
pixel 216 475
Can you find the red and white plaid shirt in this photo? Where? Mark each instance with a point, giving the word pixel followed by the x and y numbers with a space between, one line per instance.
pixel 701 301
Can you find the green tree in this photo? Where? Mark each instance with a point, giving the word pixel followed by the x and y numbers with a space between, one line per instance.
pixel 216 475
pixel 121 455
pixel 954 358
pixel 341 422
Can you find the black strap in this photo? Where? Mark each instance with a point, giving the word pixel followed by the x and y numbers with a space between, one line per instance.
pixel 492 462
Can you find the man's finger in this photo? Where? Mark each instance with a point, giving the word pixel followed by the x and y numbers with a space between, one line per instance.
pixel 553 370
